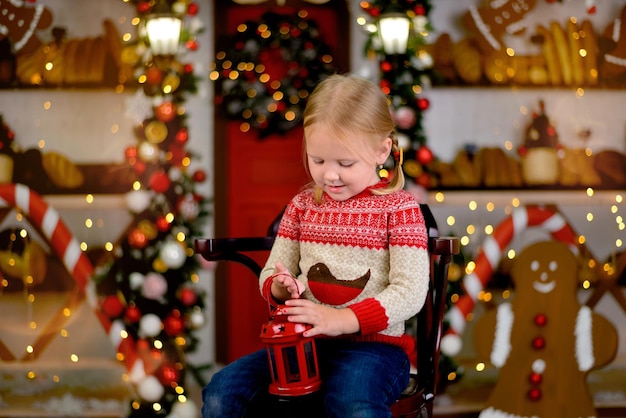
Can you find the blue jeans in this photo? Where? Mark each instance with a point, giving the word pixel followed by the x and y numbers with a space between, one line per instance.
pixel 360 379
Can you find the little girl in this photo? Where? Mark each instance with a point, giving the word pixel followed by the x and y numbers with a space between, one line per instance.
pixel 350 259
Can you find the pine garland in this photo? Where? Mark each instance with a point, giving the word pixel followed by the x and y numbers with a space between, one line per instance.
pixel 149 285
pixel 403 77
pixel 267 70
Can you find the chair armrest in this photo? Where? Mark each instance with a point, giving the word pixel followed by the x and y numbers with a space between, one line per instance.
pixel 233 249
pixel 444 245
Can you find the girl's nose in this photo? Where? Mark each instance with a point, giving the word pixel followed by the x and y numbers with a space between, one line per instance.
pixel 330 175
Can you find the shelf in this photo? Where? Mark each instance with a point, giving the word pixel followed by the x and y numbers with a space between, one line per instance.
pixel 525 197
pixel 519 87
pixel 79 202
pixel 451 198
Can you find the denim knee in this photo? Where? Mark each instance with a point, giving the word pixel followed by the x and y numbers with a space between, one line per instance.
pixel 235 389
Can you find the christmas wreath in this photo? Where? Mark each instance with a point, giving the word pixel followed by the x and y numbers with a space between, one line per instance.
pixel 268 70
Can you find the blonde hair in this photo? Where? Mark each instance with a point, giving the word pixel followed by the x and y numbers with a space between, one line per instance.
pixel 345 104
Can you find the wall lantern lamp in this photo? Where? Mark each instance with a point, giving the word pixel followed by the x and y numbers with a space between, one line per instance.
pixel 163 29
pixel 291 355
pixel 393 29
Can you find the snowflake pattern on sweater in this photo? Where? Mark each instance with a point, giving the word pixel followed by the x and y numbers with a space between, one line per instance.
pixel 368 253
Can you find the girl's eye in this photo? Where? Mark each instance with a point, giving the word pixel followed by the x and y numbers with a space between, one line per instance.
pixel 318 162
pixel 346 163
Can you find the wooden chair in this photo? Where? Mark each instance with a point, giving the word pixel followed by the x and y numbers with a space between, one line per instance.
pixel 417 400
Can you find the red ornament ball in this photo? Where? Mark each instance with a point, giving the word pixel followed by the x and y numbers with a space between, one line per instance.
pixel 143 7
pixel 423 103
pixel 174 324
pixel 188 296
pixel 424 155
pixel 165 112
pixel 112 306
pixel 192 9
pixel 154 76
pixel 188 68
pixel 539 343
pixel 137 239
pixel 199 176
pixel 192 45
pixel 386 66
pixel 168 375
pixel 162 224
pixel 130 152
pixel 132 314
pixel 182 136
pixel 160 181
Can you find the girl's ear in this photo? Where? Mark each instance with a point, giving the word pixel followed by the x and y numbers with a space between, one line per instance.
pixel 384 151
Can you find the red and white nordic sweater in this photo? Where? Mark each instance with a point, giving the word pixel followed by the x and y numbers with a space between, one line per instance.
pixel 368 253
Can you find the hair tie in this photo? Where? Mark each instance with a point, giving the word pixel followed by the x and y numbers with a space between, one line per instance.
pixel 398 157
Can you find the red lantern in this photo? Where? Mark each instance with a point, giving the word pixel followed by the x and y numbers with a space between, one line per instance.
pixel 292 356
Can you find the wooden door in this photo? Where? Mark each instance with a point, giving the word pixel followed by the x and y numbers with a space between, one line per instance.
pixel 255 178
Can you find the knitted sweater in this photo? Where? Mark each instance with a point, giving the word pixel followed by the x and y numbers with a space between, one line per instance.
pixel 368 253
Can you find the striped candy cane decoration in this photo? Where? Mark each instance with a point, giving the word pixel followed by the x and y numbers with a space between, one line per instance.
pixel 67 248
pixel 488 257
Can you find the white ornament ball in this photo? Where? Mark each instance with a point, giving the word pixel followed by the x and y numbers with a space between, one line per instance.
pixel 179 8
pixel 148 152
pixel 173 254
pixel 196 319
pixel 150 325
pixel 404 142
pixel 150 389
pixel 136 280
pixel 405 117
pixel 175 174
pixel 188 207
pixel 138 200
pixel 451 345
pixel 187 409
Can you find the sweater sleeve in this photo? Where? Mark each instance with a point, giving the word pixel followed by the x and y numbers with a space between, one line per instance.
pixel 286 250
pixel 409 270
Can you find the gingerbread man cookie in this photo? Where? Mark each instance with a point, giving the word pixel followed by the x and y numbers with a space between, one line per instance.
pixel 613 50
pixel 499 17
pixel 544 342
pixel 19 22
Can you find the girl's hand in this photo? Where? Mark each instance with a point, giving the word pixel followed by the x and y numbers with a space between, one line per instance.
pixel 284 285
pixel 325 319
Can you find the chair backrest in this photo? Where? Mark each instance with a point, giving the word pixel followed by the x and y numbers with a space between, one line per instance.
pixel 429 319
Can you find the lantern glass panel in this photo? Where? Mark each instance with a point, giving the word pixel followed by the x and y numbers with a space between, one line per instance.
pixel 290 360
pixel 310 359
